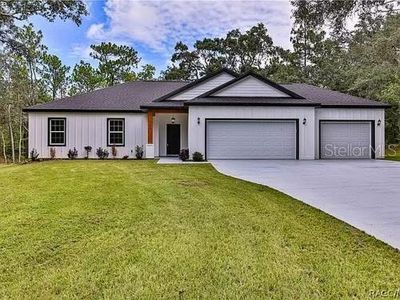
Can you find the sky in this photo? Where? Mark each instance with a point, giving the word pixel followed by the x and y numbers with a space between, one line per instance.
pixel 154 27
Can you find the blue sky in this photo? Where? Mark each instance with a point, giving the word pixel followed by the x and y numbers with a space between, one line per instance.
pixel 154 27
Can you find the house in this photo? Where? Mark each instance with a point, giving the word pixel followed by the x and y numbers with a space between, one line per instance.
pixel 222 116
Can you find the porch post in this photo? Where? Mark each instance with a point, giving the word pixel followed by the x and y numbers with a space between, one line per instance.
pixel 150 127
pixel 150 146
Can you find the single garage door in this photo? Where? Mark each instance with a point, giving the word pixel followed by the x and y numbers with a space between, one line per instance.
pixel 346 140
pixel 251 139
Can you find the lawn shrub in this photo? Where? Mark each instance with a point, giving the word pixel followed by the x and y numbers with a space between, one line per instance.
pixel 88 149
pixel 102 153
pixel 114 151
pixel 184 154
pixel 197 156
pixel 139 152
pixel 72 153
pixel 34 155
pixel 52 153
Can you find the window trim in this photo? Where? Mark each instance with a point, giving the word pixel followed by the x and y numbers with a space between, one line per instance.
pixel 108 132
pixel 49 131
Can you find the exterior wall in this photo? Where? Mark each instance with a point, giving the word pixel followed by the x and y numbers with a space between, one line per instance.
pixel 203 87
pixel 306 132
pixel 365 114
pixel 160 131
pixel 86 129
pixel 250 87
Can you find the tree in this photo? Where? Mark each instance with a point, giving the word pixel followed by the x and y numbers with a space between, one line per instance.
pixel 85 79
pixel 186 61
pixel 55 75
pixel 335 13
pixel 116 62
pixel 307 35
pixel 31 50
pixel 147 73
pixel 12 13
pixel 238 51
pixel 374 71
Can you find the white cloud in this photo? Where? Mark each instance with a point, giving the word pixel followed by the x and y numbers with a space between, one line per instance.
pixel 158 25
pixel 95 31
pixel 81 52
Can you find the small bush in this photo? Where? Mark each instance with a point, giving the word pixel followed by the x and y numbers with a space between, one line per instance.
pixel 139 152
pixel 125 157
pixel 184 154
pixel 72 153
pixel 88 149
pixel 102 153
pixel 114 151
pixel 52 153
pixel 197 156
pixel 34 155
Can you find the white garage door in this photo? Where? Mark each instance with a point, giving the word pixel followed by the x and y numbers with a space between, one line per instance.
pixel 251 139
pixel 345 140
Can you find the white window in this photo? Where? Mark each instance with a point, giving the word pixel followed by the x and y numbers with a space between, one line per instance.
pixel 56 131
pixel 116 132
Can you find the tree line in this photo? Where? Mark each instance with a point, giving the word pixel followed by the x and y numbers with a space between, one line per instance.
pixel 363 61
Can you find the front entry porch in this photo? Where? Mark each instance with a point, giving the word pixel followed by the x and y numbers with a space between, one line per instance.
pixel 167 132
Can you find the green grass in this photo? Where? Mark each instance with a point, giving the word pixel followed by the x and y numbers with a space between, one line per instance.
pixel 393 154
pixel 129 229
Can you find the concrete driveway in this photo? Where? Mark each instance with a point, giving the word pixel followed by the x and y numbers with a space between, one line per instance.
pixel 363 193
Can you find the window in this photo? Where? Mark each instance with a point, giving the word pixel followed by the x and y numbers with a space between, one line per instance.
pixel 57 131
pixel 116 132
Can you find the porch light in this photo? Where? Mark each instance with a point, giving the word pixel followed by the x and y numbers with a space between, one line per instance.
pixel 304 121
pixel 173 120
pixel 379 122
pixel 198 121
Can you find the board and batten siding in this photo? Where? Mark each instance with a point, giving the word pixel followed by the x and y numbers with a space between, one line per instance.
pixel 354 114
pixel 203 87
pixel 86 129
pixel 249 87
pixel 306 132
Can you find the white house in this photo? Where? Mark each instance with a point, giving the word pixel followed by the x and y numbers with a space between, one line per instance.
pixel 222 116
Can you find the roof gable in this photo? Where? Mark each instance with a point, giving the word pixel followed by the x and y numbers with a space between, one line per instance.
pixel 200 86
pixel 252 85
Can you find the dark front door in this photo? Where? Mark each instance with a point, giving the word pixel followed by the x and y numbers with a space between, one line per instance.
pixel 173 139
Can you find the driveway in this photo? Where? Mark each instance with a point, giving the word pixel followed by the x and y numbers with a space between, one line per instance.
pixel 363 193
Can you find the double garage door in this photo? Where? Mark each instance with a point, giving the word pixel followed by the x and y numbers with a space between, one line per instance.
pixel 252 139
pixel 278 139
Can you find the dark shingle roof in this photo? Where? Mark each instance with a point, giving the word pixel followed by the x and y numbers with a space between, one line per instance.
pixel 122 97
pixel 329 98
pixel 137 95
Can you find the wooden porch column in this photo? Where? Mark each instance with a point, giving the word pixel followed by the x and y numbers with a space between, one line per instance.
pixel 150 115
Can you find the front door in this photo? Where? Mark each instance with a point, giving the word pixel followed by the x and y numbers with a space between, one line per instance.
pixel 173 139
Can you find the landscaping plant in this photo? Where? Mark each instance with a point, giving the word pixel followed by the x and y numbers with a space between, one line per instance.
pixel 197 156
pixel 72 153
pixel 114 151
pixel 88 149
pixel 184 154
pixel 139 152
pixel 102 153
pixel 52 153
pixel 34 155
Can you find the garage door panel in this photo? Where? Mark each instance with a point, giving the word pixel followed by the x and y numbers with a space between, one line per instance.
pixel 345 140
pixel 251 139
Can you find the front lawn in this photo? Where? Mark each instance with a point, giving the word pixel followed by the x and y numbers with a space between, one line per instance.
pixel 129 229
pixel 393 153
